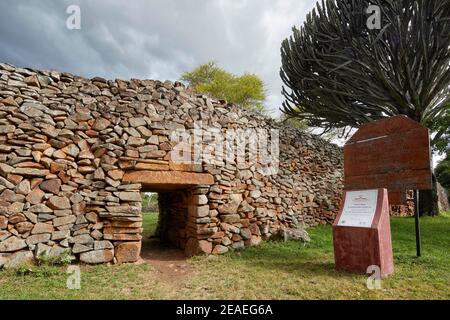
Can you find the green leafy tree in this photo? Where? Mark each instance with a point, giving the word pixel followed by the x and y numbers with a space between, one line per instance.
pixel 246 90
pixel 344 73
pixel 442 172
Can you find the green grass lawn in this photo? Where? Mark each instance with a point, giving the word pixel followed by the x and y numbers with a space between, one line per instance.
pixel 274 270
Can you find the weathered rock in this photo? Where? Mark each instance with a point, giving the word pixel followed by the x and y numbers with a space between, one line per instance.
pixel 16 218
pixel 42 228
pixel 23 227
pixel 232 206
pixel 71 150
pixel 255 240
pixel 33 109
pixel 19 259
pixel 79 248
pixel 82 239
pixel 12 244
pixel 5 169
pixel 38 238
pixel 239 245
pixel 7 129
pixel 61 221
pixel 4 235
pixel 60 235
pixel 200 199
pixel 52 186
pixel 97 256
pixel 58 203
pixel 288 234
pixel 100 245
pixel 220 249
pixel 35 196
pixel 29 172
pixel 128 252
pixel 101 124
pixel 199 212
pixel 23 187
pixel 129 196
pixel 3 222
pixel 6 183
pixel 195 247
pixel 116 174
pixel 40 208
pixel 231 218
pixel 4 257
pixel 246 233
pixel 15 207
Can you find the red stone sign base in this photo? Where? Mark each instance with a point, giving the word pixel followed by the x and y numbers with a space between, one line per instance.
pixel 356 248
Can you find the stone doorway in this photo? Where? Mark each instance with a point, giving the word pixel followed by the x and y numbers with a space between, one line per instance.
pixel 166 228
pixel 180 197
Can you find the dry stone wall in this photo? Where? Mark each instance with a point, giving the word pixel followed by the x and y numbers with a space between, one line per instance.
pixel 67 142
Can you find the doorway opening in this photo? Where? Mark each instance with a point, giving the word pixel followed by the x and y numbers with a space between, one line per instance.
pixel 181 204
pixel 165 216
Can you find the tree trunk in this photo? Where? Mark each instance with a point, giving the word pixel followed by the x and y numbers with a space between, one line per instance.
pixel 428 200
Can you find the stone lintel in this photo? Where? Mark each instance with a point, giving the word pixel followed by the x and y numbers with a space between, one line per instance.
pixel 168 180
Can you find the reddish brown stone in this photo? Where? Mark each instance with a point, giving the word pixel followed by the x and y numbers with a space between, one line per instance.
pixel 254 229
pixel 355 248
pixel 56 167
pixel 52 186
pixel 79 208
pixel 218 235
pixel 30 164
pixel 126 224
pixel 16 218
pixel 9 101
pixel 58 203
pixel 123 237
pixel 64 177
pixel 151 166
pixel 168 179
pixel 116 174
pixel 23 227
pixel 3 222
pixel 112 230
pixel 42 228
pixel 128 252
pixel 236 237
pixel 14 178
pixel 35 196
pixel 174 166
pixel 35 182
pixel 196 247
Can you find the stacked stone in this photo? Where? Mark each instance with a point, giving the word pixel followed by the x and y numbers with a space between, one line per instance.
pixel 66 143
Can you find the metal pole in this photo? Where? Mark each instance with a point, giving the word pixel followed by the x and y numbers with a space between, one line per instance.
pixel 416 218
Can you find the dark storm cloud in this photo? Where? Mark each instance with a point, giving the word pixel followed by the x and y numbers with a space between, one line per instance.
pixel 156 39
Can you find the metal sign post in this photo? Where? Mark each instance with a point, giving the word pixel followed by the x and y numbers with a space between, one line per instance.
pixel 416 218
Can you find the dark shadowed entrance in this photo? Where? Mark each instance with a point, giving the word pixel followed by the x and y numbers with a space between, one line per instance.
pixel 177 191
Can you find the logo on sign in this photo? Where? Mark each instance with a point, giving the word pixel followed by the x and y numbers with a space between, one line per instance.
pixel 360 198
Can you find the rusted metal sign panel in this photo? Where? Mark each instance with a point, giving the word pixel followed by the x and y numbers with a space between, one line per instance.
pixel 392 153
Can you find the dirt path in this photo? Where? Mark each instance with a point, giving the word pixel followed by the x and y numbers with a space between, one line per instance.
pixel 169 263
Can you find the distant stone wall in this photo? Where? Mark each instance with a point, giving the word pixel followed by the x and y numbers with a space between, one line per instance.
pixel 443 197
pixel 67 142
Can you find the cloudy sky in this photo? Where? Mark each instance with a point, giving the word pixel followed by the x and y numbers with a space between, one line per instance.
pixel 152 39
